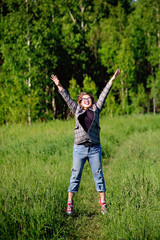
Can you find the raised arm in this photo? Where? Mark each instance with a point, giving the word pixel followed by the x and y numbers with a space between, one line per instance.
pixel 106 90
pixel 114 77
pixel 57 82
pixel 70 102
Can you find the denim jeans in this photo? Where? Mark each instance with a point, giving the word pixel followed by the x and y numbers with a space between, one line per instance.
pixel 80 155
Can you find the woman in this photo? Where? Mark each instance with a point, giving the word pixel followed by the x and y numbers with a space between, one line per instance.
pixel 86 139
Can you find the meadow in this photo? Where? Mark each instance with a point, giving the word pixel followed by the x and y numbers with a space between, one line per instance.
pixel 35 167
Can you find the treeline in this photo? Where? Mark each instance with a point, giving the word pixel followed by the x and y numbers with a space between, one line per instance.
pixel 83 42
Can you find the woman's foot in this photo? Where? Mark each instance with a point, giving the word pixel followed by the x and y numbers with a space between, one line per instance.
pixel 103 207
pixel 69 210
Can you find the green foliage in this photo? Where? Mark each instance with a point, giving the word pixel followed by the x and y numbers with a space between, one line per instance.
pixel 89 86
pixel 139 100
pixel 73 39
pixel 24 50
pixel 109 106
pixel 112 31
pixel 74 89
pixel 146 46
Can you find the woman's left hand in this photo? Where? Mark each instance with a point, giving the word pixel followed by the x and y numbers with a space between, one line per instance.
pixel 114 77
pixel 116 73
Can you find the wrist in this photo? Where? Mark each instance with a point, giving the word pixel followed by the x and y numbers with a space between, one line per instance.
pixel 60 87
pixel 111 81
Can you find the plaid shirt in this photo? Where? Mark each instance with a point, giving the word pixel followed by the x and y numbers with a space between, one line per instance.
pixel 93 134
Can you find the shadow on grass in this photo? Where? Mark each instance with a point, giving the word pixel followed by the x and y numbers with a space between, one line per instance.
pixel 82 214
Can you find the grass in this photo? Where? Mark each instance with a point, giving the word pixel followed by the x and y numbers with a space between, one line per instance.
pixel 133 189
pixel 35 167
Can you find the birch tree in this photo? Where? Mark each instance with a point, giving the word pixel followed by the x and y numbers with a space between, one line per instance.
pixel 113 50
pixel 145 35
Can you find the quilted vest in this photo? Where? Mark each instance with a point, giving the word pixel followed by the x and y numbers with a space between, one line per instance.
pixel 93 134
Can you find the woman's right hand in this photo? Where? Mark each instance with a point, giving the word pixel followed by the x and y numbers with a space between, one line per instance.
pixel 55 80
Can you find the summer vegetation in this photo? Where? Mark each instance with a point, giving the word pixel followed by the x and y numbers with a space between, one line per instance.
pixel 83 43
pixel 35 167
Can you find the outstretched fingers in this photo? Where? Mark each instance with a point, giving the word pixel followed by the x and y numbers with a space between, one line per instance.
pixel 54 79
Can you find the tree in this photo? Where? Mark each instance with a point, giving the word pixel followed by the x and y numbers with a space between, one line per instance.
pixel 110 106
pixel 126 62
pixel 139 100
pixel 26 50
pixel 89 86
pixel 153 42
pixel 146 45
pixel 82 40
pixel 74 89
pixel 115 51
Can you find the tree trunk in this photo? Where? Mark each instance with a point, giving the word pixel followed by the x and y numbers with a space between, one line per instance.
pixel 122 94
pixel 154 93
pixel 154 103
pixel 158 34
pixel 28 81
pixel 82 13
pixel 127 100
pixel 158 44
pixel 53 103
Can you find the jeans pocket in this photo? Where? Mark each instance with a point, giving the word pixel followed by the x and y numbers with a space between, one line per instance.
pixel 78 148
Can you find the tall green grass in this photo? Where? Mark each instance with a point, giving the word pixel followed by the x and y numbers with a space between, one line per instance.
pixel 35 167
pixel 133 193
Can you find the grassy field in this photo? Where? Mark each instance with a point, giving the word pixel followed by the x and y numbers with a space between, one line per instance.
pixel 35 167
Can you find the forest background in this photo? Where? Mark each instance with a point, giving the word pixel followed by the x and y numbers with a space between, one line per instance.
pixel 83 42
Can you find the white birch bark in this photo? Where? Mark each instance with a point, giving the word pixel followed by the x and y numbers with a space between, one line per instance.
pixel 28 81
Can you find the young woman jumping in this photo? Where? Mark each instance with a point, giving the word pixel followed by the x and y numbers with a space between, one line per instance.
pixel 86 139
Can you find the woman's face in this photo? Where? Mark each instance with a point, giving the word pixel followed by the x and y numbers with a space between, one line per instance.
pixel 86 101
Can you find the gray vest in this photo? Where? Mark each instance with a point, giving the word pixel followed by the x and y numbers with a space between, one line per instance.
pixel 93 134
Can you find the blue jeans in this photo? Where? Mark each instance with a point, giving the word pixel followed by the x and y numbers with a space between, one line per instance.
pixel 80 155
